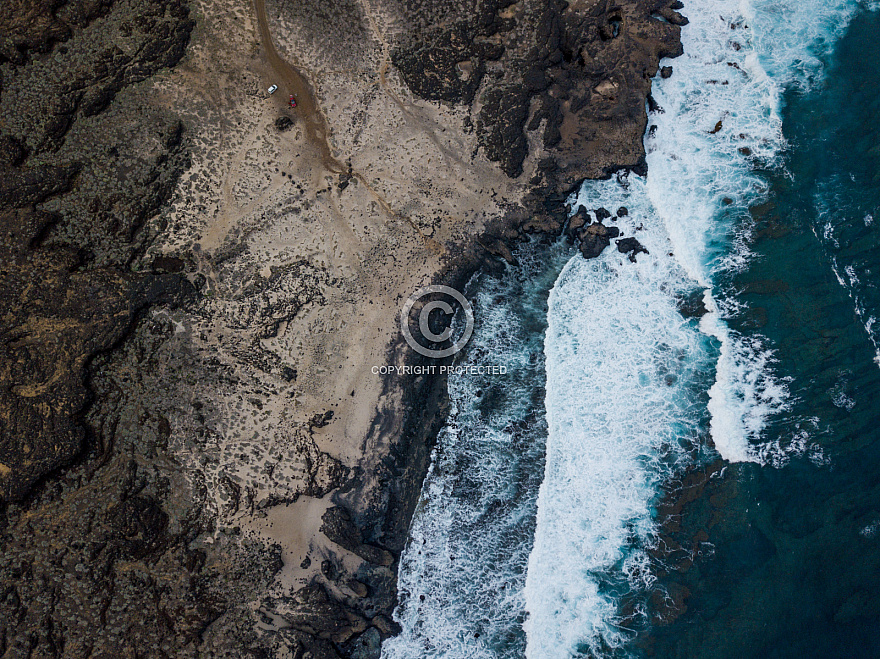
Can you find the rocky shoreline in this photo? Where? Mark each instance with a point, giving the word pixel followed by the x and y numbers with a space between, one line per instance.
pixel 194 458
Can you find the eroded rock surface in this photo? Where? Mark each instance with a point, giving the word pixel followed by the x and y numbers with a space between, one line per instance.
pixel 97 530
pixel 574 74
pixel 196 458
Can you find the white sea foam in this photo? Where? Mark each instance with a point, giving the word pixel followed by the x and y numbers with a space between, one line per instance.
pixel 622 369
pixel 701 184
pixel 462 574
pixel 617 429
pixel 738 62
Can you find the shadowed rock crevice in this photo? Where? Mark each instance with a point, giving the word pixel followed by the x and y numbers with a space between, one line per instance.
pixel 96 527
pixel 580 69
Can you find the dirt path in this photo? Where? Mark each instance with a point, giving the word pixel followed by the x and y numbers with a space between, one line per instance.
pixel 294 83
pixel 314 123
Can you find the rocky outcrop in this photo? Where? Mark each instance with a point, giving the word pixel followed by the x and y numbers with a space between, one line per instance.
pixel 96 537
pixel 573 75
pixel 72 202
pixel 565 83
pixel 693 305
pixel 595 238
pixel 632 247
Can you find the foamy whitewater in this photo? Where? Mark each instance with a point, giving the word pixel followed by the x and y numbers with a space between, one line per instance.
pixel 632 387
pixel 623 368
pixel 462 575
pixel 618 425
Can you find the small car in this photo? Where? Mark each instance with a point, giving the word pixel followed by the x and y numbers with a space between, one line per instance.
pixel 272 89
pixel 292 101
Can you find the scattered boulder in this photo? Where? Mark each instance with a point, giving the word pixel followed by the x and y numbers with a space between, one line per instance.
pixel 283 123
pixel 498 247
pixel 632 247
pixel 653 105
pixel 168 264
pixel 319 420
pixel 577 221
pixel 693 305
pixel 595 238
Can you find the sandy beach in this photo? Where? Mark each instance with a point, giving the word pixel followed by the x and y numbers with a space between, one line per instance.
pixel 298 234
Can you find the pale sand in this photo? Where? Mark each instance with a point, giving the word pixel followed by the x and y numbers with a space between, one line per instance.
pixel 334 266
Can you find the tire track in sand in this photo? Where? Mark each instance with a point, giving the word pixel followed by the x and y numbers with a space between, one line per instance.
pixel 314 123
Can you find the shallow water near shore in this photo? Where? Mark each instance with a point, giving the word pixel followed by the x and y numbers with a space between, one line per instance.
pixel 461 577
pixel 796 568
pixel 538 534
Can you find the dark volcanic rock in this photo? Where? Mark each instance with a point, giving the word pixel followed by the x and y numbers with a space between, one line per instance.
pixel 602 214
pixel 55 322
pixel 366 646
pixel 33 25
pixel 693 306
pixel 65 283
pixel 501 124
pixel 582 70
pixel 338 526
pixel 313 611
pixel 595 238
pixel 632 247
pixel 97 553
pixel 577 221
pixel 445 54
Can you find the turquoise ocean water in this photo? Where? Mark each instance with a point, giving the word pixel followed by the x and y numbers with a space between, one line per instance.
pixel 795 570
pixel 644 482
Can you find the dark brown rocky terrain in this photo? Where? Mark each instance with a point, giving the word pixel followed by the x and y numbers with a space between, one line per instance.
pixel 126 493
pixel 95 537
pixel 574 74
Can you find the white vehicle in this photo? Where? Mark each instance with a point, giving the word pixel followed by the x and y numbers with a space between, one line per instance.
pixel 272 89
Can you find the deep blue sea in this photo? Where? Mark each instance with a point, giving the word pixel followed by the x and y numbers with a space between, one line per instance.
pixel 646 481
